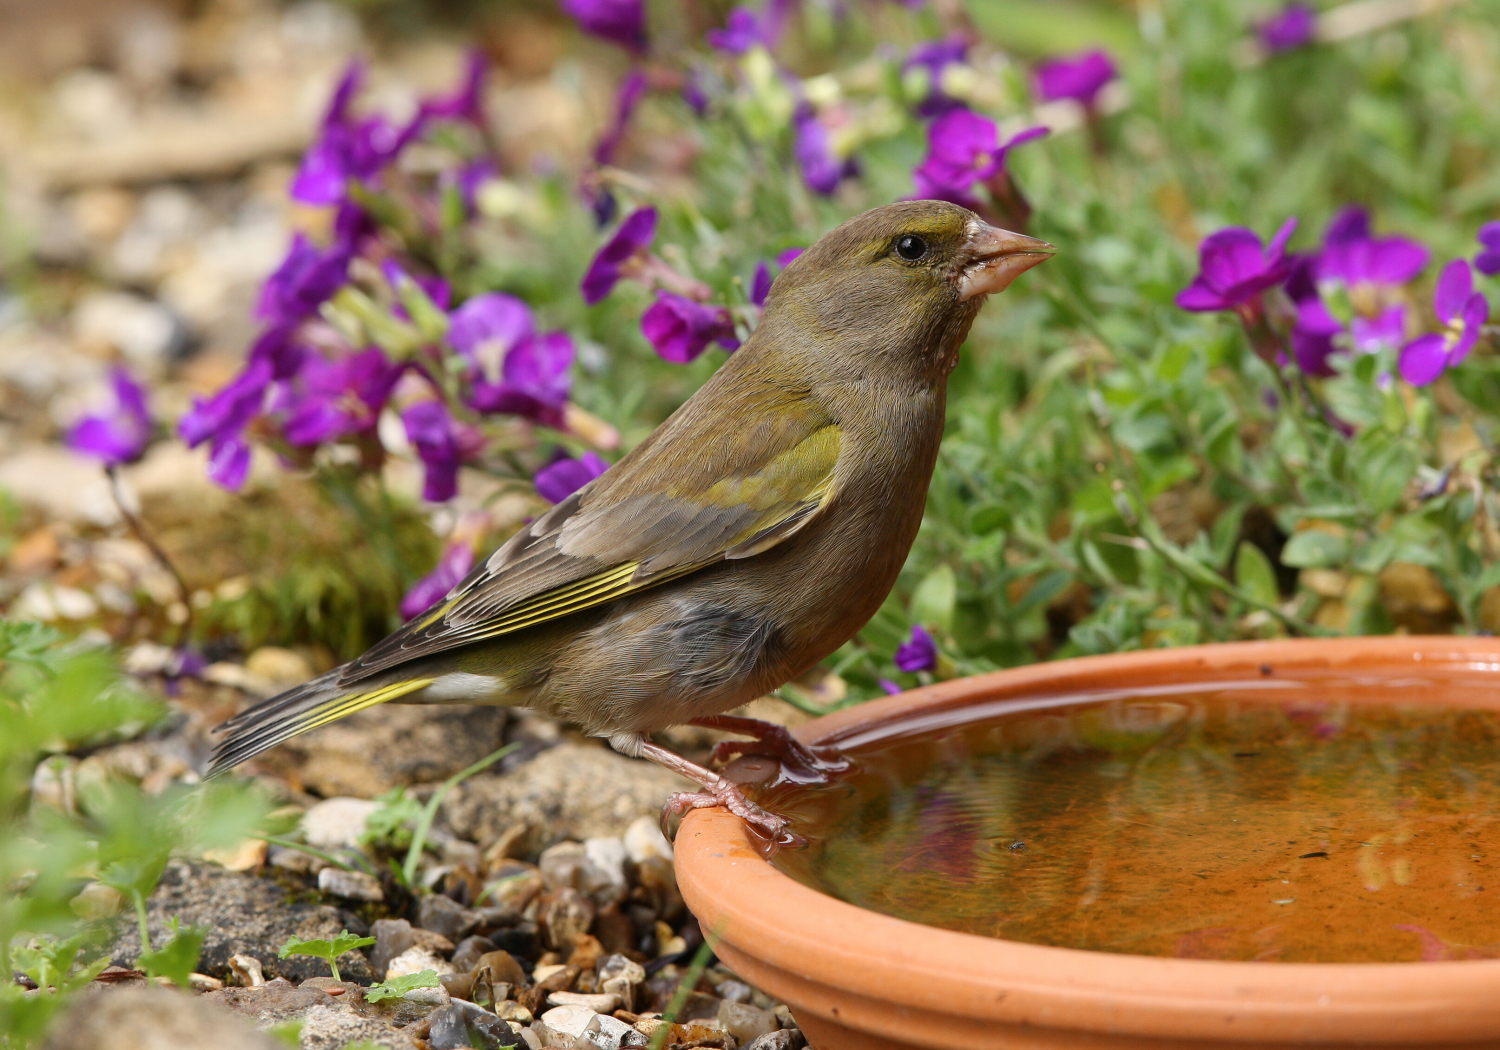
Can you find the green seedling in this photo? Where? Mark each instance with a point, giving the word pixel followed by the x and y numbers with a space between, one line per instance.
pixel 396 987
pixel 328 950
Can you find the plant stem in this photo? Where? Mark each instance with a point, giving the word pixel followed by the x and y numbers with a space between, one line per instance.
pixel 138 530
pixel 429 811
pixel 140 916
pixel 680 997
pixel 301 847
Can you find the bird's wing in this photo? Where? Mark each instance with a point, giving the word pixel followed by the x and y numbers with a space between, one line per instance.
pixel 639 525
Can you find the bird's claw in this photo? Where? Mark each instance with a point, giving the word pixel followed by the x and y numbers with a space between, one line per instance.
pixel 799 762
pixel 728 794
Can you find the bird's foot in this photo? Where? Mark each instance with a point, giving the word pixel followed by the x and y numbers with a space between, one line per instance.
pixel 800 762
pixel 728 794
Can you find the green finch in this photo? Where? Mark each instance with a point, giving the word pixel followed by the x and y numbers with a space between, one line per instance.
pixel 752 534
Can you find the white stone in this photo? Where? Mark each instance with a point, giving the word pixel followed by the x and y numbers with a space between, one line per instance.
pixel 415 960
pixel 600 1004
pixel 644 840
pixel 351 885
pixel 572 1020
pixel 337 823
pixel 604 859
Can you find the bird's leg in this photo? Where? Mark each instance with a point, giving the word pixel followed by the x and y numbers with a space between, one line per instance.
pixel 717 791
pixel 801 763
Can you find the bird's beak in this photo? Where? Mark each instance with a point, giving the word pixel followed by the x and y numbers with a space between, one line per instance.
pixel 996 257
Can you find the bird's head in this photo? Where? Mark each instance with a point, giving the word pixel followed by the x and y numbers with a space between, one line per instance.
pixel 902 282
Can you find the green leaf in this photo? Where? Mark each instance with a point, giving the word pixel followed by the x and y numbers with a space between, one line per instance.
pixel 1315 549
pixel 326 950
pixel 178 958
pixel 1254 574
pixel 1383 478
pixel 396 987
pixel 933 601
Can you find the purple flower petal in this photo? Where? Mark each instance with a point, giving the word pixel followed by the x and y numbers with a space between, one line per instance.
pixel 784 259
pixel 486 327
pixel 621 22
pixel 632 238
pixel 680 329
pixel 306 278
pixel 1475 313
pixel 1350 224
pixel 890 687
pixel 451 568
pixel 1291 29
pixel 229 461
pixel 760 286
pixel 430 429
pixel 1079 77
pixel 1387 261
pixel 741 32
pixel 535 380
pixel 1454 286
pixel 632 90
pixel 919 653
pixel 334 399
pixel 227 412
pixel 822 170
pixel 1233 268
pixel 1312 350
pixel 1373 334
pixel 561 478
pixel 935 56
pixel 119 436
pixel 467 102
pixel 1423 359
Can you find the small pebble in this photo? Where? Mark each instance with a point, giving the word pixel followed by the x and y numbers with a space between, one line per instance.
pixel 246 968
pixel 746 1022
pixel 600 1004
pixel 446 916
pixel 351 885
pixel 573 1020
pixel 337 823
pixel 785 1039
pixel 734 991
pixel 415 960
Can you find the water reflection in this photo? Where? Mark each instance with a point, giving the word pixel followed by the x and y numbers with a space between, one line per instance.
pixel 1307 825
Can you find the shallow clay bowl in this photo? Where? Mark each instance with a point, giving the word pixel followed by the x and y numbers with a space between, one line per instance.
pixel 858 980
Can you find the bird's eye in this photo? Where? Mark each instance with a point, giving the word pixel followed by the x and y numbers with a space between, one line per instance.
pixel 910 247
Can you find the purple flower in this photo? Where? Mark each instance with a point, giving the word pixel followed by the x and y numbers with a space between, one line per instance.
pixel 1234 269
pixel 487 327
pixel 632 89
pixel 1488 260
pixel 1292 28
pixel 431 431
pixel 435 288
pixel 1312 338
pixel 118 436
pixel 693 93
pixel 620 22
pixel 822 170
pixel 1079 77
pixel 1370 335
pixel 890 687
pixel 229 461
pixel 1364 262
pixel 760 287
pixel 228 412
pixel 345 148
pixel 627 246
pixel 1462 311
pixel 919 653
pixel 452 567
pixel 466 103
pixel 741 32
pixel 964 148
pixel 680 329
pixel 1350 224
pixel 534 380
pixel 785 258
pixel 934 56
pixel 304 281
pixel 335 399
pixel 565 475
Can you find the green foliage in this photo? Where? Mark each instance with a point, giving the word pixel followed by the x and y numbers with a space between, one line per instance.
pixel 390 827
pixel 178 958
pixel 57 696
pixel 326 950
pixel 396 987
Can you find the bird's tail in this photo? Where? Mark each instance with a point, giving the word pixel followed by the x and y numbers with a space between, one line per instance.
pixel 308 706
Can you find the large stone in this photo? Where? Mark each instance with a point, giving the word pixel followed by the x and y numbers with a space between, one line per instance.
pixel 572 791
pixel 245 915
pixel 152 1019
pixel 332 1028
pixel 389 746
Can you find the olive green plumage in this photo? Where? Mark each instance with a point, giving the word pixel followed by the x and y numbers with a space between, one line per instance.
pixel 751 535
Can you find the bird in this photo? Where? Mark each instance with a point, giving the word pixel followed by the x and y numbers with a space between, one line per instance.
pixel 747 538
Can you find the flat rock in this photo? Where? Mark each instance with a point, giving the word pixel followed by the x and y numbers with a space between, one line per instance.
pixel 572 791
pixel 391 746
pixel 332 1028
pixel 146 1018
pixel 245 915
